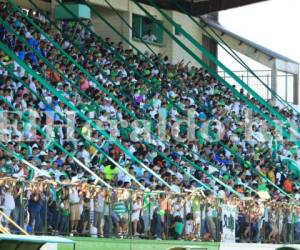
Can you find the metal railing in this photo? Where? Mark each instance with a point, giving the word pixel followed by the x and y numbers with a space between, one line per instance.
pixel 284 83
pixel 50 208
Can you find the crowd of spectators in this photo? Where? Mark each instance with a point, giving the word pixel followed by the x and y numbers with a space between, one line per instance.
pixel 46 207
pixel 151 88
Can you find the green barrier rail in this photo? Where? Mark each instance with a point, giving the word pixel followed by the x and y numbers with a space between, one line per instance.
pixel 223 144
pixel 133 46
pixel 212 72
pixel 22 159
pixel 220 41
pixel 213 59
pixel 201 183
pixel 210 57
pixel 57 144
pixel 215 179
pixel 74 108
pixel 97 14
pixel 70 124
pixel 146 44
pixel 93 124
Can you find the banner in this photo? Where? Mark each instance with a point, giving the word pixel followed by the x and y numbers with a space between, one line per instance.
pixel 228 223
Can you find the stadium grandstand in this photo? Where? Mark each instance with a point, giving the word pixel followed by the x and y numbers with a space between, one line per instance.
pixel 119 125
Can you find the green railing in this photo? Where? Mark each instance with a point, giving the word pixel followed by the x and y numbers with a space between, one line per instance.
pixel 98 218
pixel 167 158
pixel 124 38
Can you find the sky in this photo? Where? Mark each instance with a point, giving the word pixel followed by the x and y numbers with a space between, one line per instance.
pixel 273 24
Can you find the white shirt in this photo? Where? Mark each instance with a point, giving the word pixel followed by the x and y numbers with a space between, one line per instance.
pixel 9 201
pixel 73 196
pixel 99 204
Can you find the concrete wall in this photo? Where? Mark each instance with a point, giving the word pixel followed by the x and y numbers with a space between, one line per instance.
pixel 27 5
pixel 102 29
pixel 169 46
pixel 177 53
pixel 126 8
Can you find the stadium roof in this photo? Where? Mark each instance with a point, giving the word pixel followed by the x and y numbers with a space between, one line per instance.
pixel 200 7
pixel 253 50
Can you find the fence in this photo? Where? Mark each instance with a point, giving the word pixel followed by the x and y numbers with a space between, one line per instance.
pixel 284 83
pixel 88 210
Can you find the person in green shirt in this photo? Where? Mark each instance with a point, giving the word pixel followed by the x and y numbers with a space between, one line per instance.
pixel 110 172
pixel 120 213
pixel 178 228
pixel 149 205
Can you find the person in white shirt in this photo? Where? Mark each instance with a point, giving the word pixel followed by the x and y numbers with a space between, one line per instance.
pixel 99 212
pixel 9 202
pixel 75 208
pixel 136 210
pixel 150 37
pixel 177 208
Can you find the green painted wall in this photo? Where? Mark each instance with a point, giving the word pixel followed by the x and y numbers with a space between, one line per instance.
pixel 85 243
pixel 79 10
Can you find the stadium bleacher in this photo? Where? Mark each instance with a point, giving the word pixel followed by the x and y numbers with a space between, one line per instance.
pixel 150 144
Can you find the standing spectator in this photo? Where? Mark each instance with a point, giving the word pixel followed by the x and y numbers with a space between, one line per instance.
pixel 18 211
pixel 9 201
pixel 196 214
pixel 34 209
pixel 136 210
pixel 99 212
pixel 120 214
pixel 189 227
pixel 74 208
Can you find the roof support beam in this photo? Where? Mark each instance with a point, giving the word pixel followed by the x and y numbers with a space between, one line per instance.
pixel 296 89
pixel 253 50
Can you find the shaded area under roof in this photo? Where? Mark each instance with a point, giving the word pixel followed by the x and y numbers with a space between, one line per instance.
pixel 200 7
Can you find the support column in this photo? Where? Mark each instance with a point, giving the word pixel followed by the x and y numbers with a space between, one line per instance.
pixel 296 89
pixel 126 31
pixel 53 4
pixel 274 81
